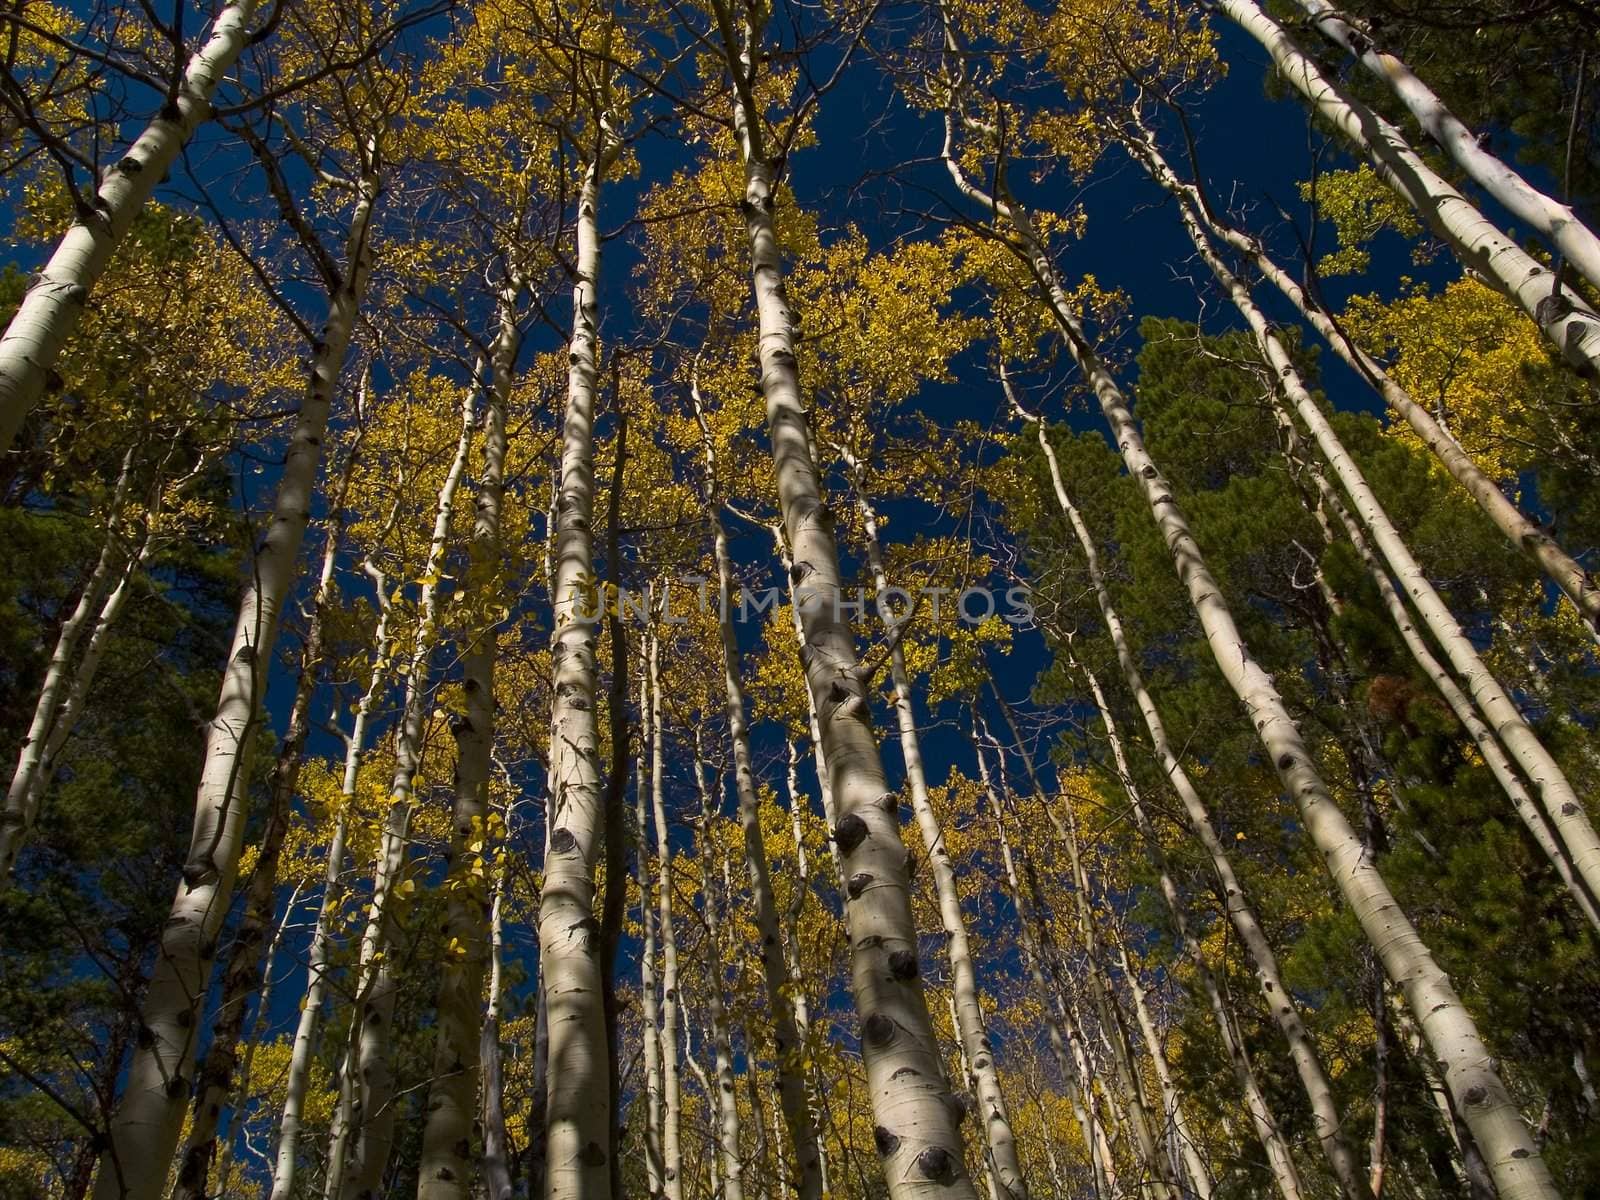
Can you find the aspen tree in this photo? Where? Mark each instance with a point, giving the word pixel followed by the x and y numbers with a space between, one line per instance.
pixel 369 1075
pixel 446 1162
pixel 671 1090
pixel 789 1046
pixel 245 971
pixel 1566 319
pixel 320 953
pixel 569 968
pixel 1555 221
pixel 145 1128
pixel 56 298
pixel 1451 1032
pixel 1064 1044
pixel 726 1101
pixel 1562 807
pixel 1520 530
pixel 976 1047
pixel 1241 913
pixel 916 1131
pixel 647 956
pixel 497 1184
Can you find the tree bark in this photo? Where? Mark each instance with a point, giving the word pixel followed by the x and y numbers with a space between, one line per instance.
pixel 445 1168
pixel 1569 323
pixel 671 1089
pixel 578 1119
pixel 146 1125
pixel 916 1131
pixel 55 300
pixel 647 955
pixel 1555 221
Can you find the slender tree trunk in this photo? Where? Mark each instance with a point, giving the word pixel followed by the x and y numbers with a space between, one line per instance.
pixel 1561 805
pixel 915 1132
pixel 322 940
pixel 578 1119
pixel 790 1049
pixel 647 956
pixel 243 976
pixel 1519 529
pixel 144 1130
pixel 369 1074
pixel 1451 1033
pixel 1113 1025
pixel 1069 1056
pixel 250 1040
pixel 55 301
pixel 1241 914
pixel 726 1100
pixel 445 1169
pixel 1572 327
pixel 970 1024
pixel 22 796
pixel 497 1183
pixel 1494 755
pixel 671 1090
pixel 1556 222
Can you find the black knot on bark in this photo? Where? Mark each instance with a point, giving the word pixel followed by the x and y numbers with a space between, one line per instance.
pixel 936 1163
pixel 858 883
pixel 886 1142
pixel 1477 1094
pixel 890 803
pixel 850 832
pixel 1285 762
pixel 1149 472
pixel 878 1030
pixel 562 841
pixel 903 964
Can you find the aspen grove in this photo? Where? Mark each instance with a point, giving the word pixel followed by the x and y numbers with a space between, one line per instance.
pixel 800 600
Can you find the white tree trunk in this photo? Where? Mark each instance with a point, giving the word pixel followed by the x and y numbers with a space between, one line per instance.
pixel 916 1132
pixel 578 1119
pixel 671 1088
pixel 1555 221
pixel 790 1049
pixel 1520 530
pixel 1572 327
pixel 725 1098
pixel 145 1127
pixel 445 1168
pixel 976 1048
pixel 55 300
pixel 24 791
pixel 1561 804
pixel 647 955
pixel 1286 1014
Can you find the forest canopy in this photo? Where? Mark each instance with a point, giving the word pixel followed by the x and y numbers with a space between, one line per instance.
pixel 800 599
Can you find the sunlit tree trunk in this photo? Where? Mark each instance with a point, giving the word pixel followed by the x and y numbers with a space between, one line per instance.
pixel 1450 1031
pixel 1566 319
pixel 55 301
pixel 145 1128
pixel 1519 529
pixel 970 1023
pixel 671 1087
pixel 721 1093
pixel 1070 1058
pixel 369 1075
pixel 578 1120
pixel 445 1170
pixel 244 973
pixel 915 1132
pixel 22 795
pixel 790 1050
pixel 647 956
pixel 1560 802
pixel 1285 1011
pixel 1556 222
pixel 497 1182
